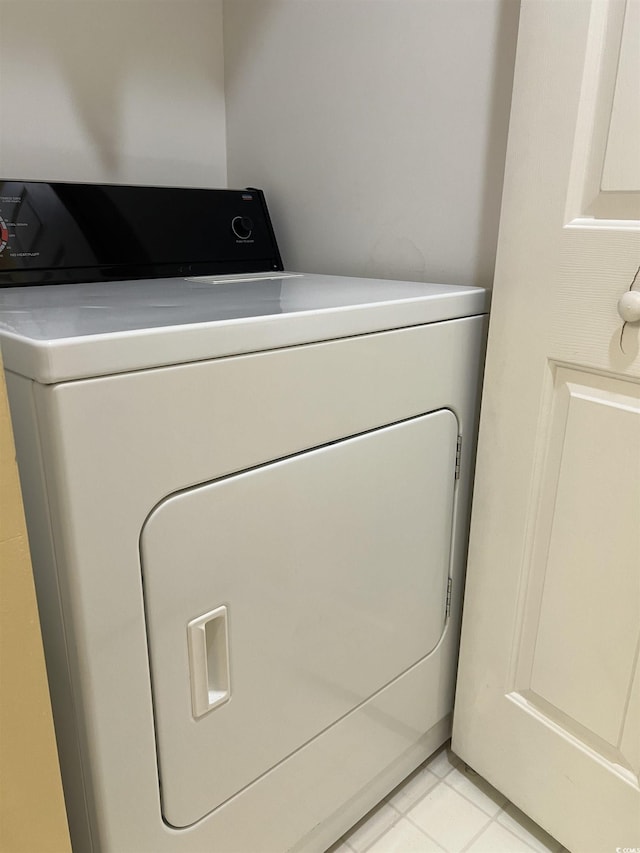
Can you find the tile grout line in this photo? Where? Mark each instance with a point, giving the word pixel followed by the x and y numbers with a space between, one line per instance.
pixel 492 818
pixel 424 832
pixel 469 800
pixel 476 837
pixel 405 816
pixel 495 820
pixel 441 780
pixel 461 769
pixel 398 818
pixel 519 837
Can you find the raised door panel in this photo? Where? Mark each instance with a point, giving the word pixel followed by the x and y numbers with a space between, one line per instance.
pixel 581 624
pixel 605 168
pixel 332 566
pixel 621 168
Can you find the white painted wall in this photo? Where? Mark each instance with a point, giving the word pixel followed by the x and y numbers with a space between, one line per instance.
pixel 376 127
pixel 126 92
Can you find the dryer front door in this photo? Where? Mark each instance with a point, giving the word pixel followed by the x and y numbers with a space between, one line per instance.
pixel 281 598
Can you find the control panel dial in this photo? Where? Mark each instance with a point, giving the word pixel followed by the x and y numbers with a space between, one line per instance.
pixel 242 227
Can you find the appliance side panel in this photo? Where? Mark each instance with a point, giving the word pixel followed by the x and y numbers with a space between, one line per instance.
pixel 468 394
pixel 35 497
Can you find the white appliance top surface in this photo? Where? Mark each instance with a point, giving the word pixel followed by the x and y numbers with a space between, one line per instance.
pixel 70 331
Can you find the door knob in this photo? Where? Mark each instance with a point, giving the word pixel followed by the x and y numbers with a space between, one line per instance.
pixel 629 306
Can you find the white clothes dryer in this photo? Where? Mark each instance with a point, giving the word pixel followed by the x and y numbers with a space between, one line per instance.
pixel 247 498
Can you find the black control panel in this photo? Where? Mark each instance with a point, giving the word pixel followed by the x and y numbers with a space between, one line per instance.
pixel 52 233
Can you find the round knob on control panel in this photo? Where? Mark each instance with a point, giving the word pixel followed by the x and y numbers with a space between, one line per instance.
pixel 242 227
pixel 629 306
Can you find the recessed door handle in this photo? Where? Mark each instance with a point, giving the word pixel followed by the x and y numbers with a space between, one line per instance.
pixel 209 661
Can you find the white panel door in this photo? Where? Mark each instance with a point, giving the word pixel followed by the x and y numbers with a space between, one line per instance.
pixel 548 699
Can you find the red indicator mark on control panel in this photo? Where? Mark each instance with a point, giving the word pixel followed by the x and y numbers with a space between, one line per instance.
pixel 4 235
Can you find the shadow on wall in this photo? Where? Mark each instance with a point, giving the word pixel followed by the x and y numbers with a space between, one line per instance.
pixel 499 112
pixel 112 91
pixel 87 47
pixel 382 129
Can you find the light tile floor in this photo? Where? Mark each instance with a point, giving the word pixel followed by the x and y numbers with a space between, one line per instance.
pixel 444 807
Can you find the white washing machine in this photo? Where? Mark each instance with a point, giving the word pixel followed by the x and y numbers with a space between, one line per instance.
pixel 247 500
